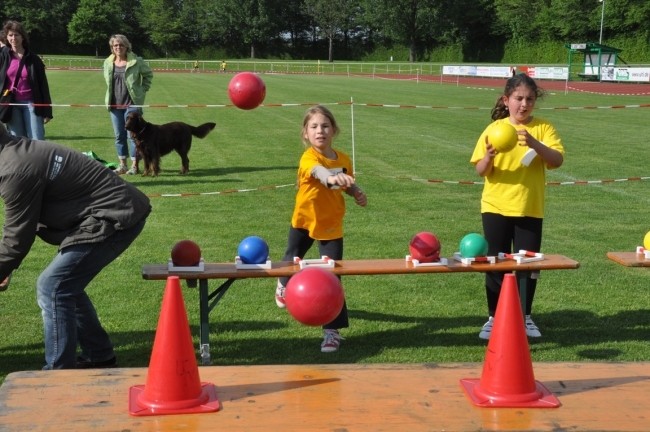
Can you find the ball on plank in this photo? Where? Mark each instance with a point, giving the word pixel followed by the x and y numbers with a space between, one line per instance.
pixel 503 137
pixel 186 253
pixel 314 296
pixel 246 90
pixel 425 247
pixel 253 250
pixel 473 245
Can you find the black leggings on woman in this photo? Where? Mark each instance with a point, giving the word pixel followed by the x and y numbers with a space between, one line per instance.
pixel 510 234
pixel 298 245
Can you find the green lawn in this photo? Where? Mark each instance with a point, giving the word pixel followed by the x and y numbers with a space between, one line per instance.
pixel 596 313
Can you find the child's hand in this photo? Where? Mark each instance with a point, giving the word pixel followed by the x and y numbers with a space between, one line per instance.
pixel 360 198
pixel 526 139
pixel 341 179
pixel 490 152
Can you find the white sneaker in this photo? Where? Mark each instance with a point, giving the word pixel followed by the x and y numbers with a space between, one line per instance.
pixel 487 329
pixel 331 341
pixel 531 328
pixel 279 295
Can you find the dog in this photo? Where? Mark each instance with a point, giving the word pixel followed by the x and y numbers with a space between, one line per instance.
pixel 154 141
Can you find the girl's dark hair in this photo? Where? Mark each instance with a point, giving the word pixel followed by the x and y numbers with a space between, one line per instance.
pixel 500 111
pixel 16 27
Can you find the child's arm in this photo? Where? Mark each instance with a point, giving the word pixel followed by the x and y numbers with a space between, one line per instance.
pixel 485 165
pixel 355 192
pixel 551 156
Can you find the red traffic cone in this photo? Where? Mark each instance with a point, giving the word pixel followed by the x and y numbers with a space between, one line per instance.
pixel 507 380
pixel 173 383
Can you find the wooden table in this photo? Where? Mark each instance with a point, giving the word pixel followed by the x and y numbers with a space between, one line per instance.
pixel 629 259
pixel 229 271
pixel 357 397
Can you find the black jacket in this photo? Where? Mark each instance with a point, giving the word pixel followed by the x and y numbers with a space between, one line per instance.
pixel 37 80
pixel 61 195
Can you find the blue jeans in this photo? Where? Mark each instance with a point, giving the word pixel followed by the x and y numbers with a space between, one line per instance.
pixel 118 118
pixel 68 314
pixel 24 122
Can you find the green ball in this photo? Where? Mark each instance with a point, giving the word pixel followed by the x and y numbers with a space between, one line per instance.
pixel 473 245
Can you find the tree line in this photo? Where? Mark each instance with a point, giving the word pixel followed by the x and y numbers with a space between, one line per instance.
pixel 475 30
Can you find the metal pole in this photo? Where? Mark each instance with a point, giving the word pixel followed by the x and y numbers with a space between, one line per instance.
pixel 354 165
pixel 602 17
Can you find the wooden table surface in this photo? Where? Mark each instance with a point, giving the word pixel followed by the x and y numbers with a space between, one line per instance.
pixel 358 267
pixel 355 397
pixel 629 259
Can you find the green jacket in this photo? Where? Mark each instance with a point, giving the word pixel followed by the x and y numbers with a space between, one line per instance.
pixel 137 75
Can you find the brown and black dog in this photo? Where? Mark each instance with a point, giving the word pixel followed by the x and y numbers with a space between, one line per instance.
pixel 154 141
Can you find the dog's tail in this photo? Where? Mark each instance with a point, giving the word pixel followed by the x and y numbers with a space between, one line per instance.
pixel 203 130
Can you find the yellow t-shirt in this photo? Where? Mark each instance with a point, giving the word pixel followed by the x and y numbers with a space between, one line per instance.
pixel 513 189
pixel 320 209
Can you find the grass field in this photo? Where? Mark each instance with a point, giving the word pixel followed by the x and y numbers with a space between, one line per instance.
pixel 599 312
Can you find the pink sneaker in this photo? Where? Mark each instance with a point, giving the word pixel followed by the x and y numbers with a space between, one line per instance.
pixel 279 296
pixel 331 341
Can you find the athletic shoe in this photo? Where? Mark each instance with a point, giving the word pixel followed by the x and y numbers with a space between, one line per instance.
pixel 487 329
pixel 121 169
pixel 531 328
pixel 279 296
pixel 88 364
pixel 133 170
pixel 331 341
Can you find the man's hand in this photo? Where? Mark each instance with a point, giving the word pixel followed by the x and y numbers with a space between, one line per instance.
pixel 5 283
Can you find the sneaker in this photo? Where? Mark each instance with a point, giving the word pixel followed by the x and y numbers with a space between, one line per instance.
pixel 88 364
pixel 487 329
pixel 531 328
pixel 120 169
pixel 133 170
pixel 279 296
pixel 331 341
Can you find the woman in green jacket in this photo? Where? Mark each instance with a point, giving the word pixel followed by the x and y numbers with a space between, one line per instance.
pixel 128 79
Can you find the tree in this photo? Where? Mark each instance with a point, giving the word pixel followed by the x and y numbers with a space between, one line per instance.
pixel 93 23
pixel 329 16
pixel 162 22
pixel 252 19
pixel 407 21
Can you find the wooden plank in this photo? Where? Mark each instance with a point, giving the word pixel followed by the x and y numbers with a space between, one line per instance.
pixel 629 259
pixel 357 397
pixel 358 267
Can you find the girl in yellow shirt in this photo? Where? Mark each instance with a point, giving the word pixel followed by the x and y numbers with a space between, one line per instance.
pixel 512 205
pixel 323 175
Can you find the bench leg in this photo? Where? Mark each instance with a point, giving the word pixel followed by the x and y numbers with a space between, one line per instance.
pixel 205 322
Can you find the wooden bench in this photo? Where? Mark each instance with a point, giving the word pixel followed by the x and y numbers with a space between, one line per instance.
pixel 336 397
pixel 229 271
pixel 629 259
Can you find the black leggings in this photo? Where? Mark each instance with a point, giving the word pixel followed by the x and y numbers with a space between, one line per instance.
pixel 298 245
pixel 510 234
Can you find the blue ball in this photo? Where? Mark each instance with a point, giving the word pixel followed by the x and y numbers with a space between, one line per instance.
pixel 253 250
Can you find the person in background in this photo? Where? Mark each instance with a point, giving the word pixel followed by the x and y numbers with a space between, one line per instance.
pixel 128 79
pixel 512 204
pixel 196 66
pixel 223 65
pixel 77 204
pixel 4 45
pixel 32 89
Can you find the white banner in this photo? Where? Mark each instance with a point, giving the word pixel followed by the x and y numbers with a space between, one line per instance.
pixel 557 73
pixel 626 74
pixel 479 71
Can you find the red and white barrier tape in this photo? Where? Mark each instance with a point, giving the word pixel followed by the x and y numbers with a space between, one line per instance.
pixel 219 193
pixel 480 183
pixel 608 94
pixel 373 105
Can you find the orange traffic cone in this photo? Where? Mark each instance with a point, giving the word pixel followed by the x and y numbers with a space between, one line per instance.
pixel 173 384
pixel 507 380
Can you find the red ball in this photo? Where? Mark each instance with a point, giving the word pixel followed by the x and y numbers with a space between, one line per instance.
pixel 314 296
pixel 425 247
pixel 186 253
pixel 246 90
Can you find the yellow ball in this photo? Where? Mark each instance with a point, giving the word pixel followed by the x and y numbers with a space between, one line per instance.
pixel 503 137
pixel 646 241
